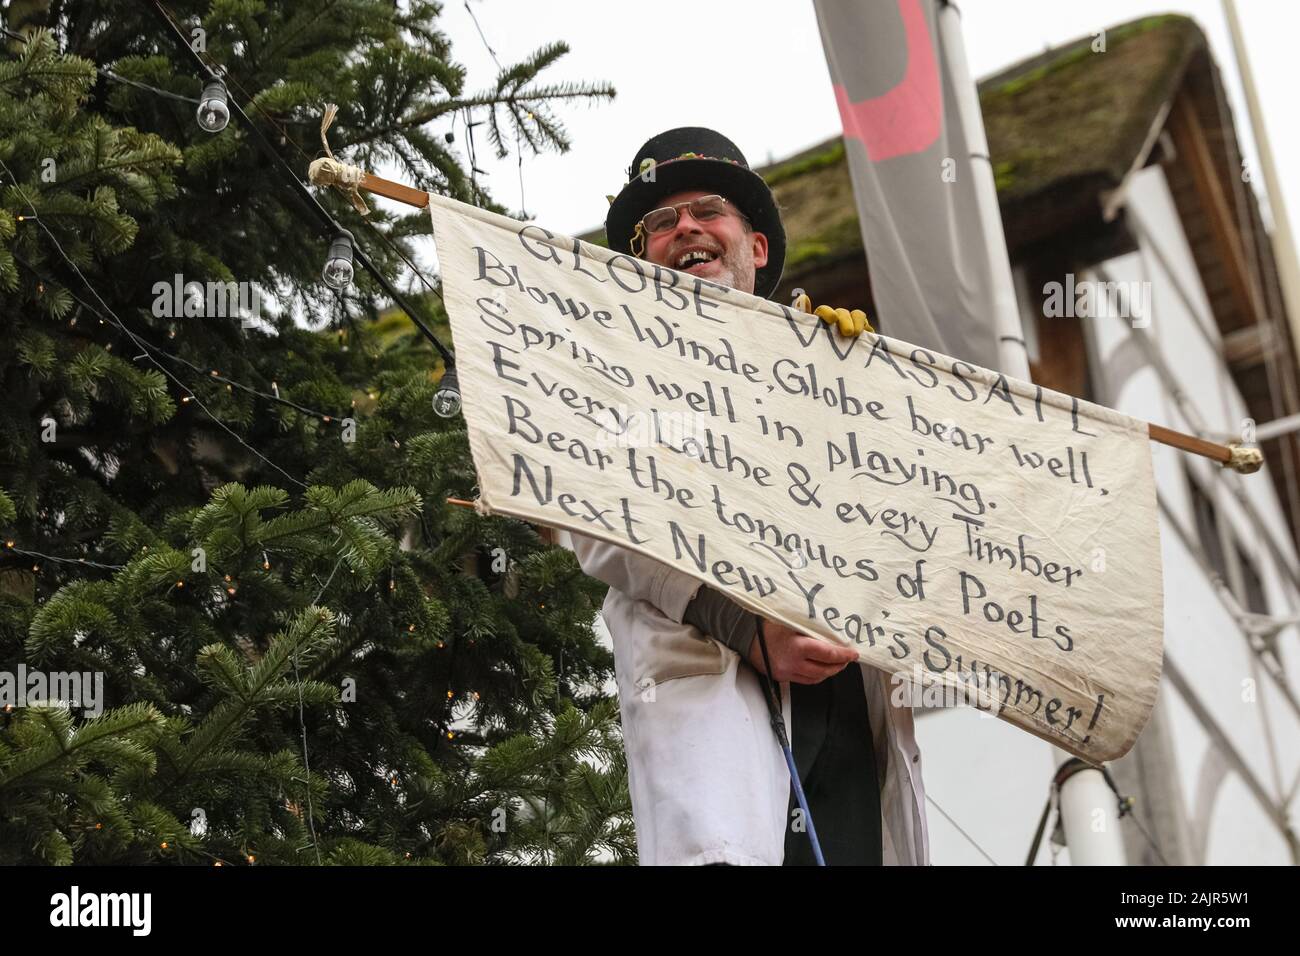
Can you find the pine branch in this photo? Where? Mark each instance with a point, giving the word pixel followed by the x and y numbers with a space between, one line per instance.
pixel 51 747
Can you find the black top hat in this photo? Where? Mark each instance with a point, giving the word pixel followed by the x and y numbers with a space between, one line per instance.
pixel 692 157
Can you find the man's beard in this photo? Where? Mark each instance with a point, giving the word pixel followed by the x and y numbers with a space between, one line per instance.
pixel 737 271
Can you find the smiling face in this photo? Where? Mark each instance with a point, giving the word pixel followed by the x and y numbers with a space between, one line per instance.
pixel 734 252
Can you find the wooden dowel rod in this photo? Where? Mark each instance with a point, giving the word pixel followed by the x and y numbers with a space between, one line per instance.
pixel 1197 446
pixel 545 532
pixel 399 191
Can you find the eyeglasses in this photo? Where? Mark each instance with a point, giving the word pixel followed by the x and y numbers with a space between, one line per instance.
pixel 703 209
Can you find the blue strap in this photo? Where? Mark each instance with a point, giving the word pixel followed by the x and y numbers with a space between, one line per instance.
pixel 772 694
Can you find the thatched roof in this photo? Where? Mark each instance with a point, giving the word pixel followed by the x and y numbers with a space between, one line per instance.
pixel 1069 123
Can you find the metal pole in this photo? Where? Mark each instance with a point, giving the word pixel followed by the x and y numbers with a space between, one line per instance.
pixel 1089 816
pixel 1284 250
pixel 1276 428
pixel 1012 355
pixel 1086 844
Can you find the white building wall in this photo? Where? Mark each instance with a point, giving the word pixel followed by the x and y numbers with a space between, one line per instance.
pixel 992 779
pixel 1202 639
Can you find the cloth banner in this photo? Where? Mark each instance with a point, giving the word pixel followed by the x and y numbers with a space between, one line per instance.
pixel 986 540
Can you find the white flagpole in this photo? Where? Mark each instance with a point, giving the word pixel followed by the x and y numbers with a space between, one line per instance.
pixel 1012 355
pixel 1284 251
pixel 1085 795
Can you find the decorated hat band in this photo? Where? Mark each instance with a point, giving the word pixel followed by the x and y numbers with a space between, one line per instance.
pixel 650 163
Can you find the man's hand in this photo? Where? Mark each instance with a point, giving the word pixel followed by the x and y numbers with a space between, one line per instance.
pixel 797 657
pixel 850 323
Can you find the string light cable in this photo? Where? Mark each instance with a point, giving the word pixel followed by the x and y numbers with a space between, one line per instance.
pixel 135 339
pixel 209 373
pixel 330 224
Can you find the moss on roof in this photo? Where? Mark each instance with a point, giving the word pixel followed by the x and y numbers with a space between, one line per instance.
pixel 815 197
pixel 1074 112
pixel 806 163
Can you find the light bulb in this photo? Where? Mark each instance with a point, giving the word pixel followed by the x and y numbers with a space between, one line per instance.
pixel 213 113
pixel 338 270
pixel 446 400
pixel 337 274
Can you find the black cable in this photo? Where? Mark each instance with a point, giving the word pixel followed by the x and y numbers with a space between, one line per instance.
pixel 397 250
pixel 109 74
pixel 207 373
pixel 1126 809
pixel 304 193
pixel 116 77
pixel 135 339
pixel 1038 834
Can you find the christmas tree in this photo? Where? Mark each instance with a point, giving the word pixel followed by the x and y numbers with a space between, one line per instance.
pixel 234 527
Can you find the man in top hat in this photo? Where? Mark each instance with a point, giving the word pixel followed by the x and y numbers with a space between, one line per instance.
pixel 708 781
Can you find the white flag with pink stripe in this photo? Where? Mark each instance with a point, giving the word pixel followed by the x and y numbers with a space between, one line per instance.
pixel 931 270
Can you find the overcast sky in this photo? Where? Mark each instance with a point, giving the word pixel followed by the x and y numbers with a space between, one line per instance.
pixel 755 71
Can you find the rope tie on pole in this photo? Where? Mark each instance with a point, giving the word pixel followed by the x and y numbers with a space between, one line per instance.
pixel 1245 461
pixel 328 171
